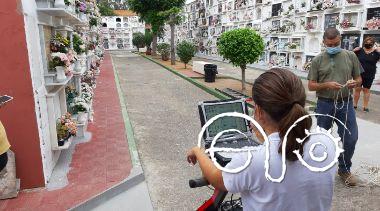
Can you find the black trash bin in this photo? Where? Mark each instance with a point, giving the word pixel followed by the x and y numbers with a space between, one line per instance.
pixel 210 72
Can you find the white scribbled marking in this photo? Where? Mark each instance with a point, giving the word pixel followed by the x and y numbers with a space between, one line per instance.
pixel 211 150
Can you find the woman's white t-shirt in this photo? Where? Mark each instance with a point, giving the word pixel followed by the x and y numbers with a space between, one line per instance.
pixel 301 189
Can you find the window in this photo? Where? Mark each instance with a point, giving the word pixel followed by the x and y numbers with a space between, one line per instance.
pixel 118 25
pixel 104 24
pixel 276 9
pixel 125 25
pixel 118 19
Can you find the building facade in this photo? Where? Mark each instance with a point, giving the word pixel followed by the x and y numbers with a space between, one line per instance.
pixel 118 30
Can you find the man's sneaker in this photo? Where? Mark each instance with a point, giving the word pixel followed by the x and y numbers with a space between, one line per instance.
pixel 348 178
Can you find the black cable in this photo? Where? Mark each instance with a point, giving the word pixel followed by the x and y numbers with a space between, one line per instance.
pixel 232 206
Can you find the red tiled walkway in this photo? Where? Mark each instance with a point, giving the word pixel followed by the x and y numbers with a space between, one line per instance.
pixel 96 165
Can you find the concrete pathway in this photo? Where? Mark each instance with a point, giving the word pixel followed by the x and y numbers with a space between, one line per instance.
pixel 252 73
pixel 136 198
pixel 163 110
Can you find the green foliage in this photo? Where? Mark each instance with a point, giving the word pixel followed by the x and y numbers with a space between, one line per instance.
pixel 78 44
pixel 148 38
pixel 93 22
pixel 105 9
pixel 155 12
pixel 138 40
pixel 56 62
pixel 186 51
pixel 241 46
pixel 164 49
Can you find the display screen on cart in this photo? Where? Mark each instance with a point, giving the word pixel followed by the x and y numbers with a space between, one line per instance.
pixel 224 123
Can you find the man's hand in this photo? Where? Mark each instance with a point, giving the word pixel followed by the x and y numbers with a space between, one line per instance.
pixel 356 49
pixel 351 84
pixel 332 85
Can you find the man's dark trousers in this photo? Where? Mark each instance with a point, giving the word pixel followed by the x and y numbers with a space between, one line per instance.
pixel 327 106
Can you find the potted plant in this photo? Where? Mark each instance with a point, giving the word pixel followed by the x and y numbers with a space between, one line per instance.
pixel 148 39
pixel 186 51
pixel 66 128
pixel 164 50
pixel 138 40
pixel 59 62
pixel 80 107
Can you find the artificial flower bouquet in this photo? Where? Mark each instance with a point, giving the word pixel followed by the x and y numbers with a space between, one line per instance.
pixel 346 24
pixel 59 59
pixel 373 23
pixel 309 26
pixel 58 43
pixel 329 4
pixel 66 128
pixel 81 6
pixel 79 105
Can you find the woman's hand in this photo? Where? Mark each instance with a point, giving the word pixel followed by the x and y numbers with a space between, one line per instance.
pixel 191 156
pixel 356 49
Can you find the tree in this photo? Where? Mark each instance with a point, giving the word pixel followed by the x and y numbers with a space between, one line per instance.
pixel 173 18
pixel 148 38
pixel 138 40
pixel 241 47
pixel 105 9
pixel 150 11
pixel 186 51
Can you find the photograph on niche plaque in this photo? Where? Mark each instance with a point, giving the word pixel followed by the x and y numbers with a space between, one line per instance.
pixel 350 41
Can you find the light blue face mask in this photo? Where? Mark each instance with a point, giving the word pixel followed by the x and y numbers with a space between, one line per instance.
pixel 333 50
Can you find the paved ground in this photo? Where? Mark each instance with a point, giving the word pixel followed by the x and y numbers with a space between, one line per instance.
pixel 132 200
pixel 96 165
pixel 251 74
pixel 162 109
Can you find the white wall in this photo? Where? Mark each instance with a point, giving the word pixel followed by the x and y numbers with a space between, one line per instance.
pixel 33 41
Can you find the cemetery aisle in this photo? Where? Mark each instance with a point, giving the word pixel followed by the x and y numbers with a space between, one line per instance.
pixel 162 108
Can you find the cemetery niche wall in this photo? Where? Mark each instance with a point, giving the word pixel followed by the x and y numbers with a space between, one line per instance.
pixel 292 29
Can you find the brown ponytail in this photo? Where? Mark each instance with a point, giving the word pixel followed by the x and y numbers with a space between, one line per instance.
pixel 281 95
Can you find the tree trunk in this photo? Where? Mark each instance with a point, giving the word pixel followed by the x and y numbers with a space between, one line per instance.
pixel 154 45
pixel 185 65
pixel 172 51
pixel 243 67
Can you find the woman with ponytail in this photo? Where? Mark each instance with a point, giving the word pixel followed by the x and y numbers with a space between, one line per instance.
pixel 279 98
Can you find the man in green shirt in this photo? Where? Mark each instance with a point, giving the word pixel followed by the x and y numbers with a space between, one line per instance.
pixel 333 75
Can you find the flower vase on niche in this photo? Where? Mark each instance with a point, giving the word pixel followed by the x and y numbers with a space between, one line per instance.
pixel 61 142
pixel 78 65
pixel 59 4
pixel 61 76
pixel 83 16
pixel 82 117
